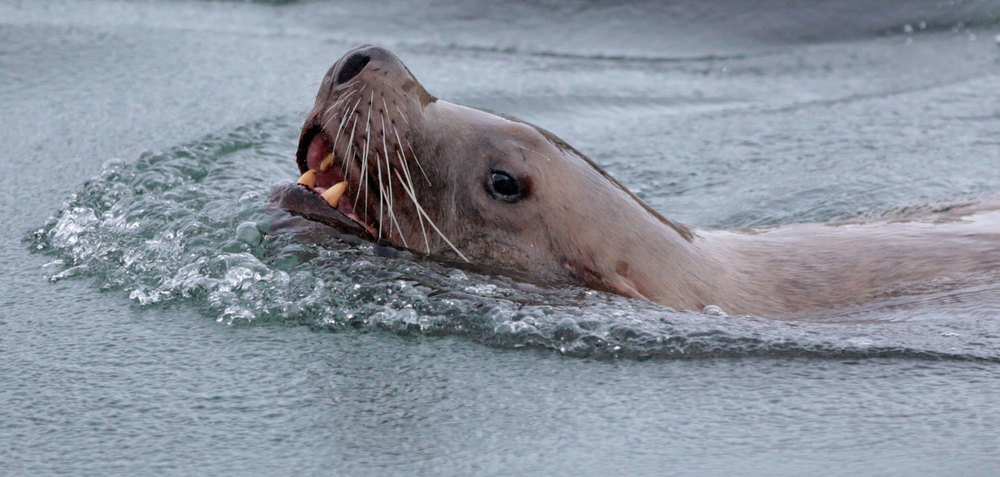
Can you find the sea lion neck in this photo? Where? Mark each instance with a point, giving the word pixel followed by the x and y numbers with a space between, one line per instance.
pixel 626 248
pixel 484 189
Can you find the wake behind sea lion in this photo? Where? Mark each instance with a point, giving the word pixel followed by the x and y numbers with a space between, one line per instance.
pixel 378 153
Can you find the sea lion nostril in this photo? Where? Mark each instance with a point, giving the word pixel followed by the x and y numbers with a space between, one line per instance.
pixel 351 67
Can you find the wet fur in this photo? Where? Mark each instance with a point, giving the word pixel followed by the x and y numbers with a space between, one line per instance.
pixel 579 225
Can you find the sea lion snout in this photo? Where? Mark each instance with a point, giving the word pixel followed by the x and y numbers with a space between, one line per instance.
pixel 370 64
pixel 355 61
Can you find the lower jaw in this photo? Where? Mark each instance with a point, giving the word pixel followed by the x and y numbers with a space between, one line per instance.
pixel 334 196
pixel 351 215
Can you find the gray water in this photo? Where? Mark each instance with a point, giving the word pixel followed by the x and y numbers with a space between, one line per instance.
pixel 158 316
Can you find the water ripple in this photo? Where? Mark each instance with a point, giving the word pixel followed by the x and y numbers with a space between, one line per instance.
pixel 192 226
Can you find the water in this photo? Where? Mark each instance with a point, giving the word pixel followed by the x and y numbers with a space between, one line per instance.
pixel 160 317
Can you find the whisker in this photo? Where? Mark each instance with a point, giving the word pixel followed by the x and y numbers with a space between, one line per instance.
pixel 409 180
pixel 401 154
pixel 416 159
pixel 343 121
pixel 343 100
pixel 378 164
pixel 392 217
pixel 364 159
pixel 362 181
pixel 388 166
pixel 339 101
pixel 385 180
pixel 421 210
pixel 349 155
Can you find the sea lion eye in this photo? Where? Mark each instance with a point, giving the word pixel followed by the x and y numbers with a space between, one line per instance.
pixel 505 187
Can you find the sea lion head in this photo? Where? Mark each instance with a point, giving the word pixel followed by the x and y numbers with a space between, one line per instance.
pixel 461 184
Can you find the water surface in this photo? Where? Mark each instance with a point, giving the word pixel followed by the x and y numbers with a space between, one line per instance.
pixel 159 317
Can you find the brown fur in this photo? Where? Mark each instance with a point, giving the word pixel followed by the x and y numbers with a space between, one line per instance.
pixel 578 225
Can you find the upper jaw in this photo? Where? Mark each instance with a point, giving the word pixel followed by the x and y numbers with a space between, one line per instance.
pixel 316 156
pixel 324 174
pixel 305 140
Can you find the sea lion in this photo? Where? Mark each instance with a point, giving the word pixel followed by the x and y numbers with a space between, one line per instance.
pixel 381 154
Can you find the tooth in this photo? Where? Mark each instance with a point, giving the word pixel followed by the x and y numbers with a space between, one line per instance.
pixel 332 195
pixel 327 162
pixel 308 179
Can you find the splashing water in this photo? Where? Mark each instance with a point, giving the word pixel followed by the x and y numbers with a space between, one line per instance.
pixel 192 226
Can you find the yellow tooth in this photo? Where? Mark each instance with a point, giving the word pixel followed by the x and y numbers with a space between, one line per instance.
pixel 308 179
pixel 327 162
pixel 332 195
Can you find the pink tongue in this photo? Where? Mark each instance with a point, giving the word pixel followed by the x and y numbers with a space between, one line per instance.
pixel 319 190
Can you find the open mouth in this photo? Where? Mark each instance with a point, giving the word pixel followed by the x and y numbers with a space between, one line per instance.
pixel 326 175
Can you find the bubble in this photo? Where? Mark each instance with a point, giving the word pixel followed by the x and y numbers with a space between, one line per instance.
pixel 248 233
pixel 713 310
